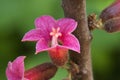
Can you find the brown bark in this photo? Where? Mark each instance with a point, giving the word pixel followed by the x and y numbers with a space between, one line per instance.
pixel 76 9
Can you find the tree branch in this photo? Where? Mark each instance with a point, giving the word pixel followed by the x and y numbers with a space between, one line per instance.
pixel 76 9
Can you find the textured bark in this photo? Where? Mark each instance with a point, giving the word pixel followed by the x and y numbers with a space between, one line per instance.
pixel 76 9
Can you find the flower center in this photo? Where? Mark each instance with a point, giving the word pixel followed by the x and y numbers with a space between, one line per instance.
pixel 55 34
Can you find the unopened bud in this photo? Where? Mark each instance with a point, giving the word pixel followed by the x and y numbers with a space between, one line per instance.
pixel 111 17
pixel 112 25
pixel 43 71
pixel 111 11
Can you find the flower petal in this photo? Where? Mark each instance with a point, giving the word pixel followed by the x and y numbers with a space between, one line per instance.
pixel 32 35
pixel 42 45
pixel 70 41
pixel 15 69
pixel 67 25
pixel 45 23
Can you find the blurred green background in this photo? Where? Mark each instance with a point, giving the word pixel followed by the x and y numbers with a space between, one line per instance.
pixel 17 17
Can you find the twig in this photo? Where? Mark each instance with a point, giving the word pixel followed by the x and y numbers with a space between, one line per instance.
pixel 76 9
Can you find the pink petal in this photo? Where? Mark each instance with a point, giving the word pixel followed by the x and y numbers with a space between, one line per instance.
pixel 71 42
pixel 67 25
pixel 42 45
pixel 15 69
pixel 45 23
pixel 32 35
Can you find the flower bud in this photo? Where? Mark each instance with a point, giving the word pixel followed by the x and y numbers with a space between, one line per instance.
pixel 111 11
pixel 43 71
pixel 112 25
pixel 111 17
pixel 59 55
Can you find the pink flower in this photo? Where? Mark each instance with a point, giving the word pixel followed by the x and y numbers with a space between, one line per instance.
pixel 54 36
pixel 15 69
pixel 50 33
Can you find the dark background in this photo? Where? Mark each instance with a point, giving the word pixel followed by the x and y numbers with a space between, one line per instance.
pixel 17 17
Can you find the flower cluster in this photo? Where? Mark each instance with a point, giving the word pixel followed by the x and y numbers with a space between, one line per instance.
pixel 51 35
